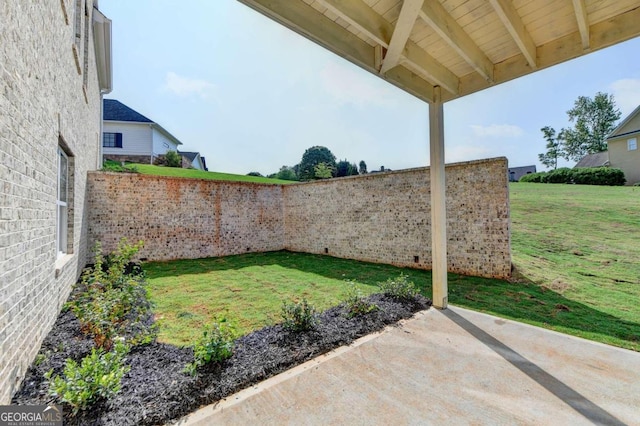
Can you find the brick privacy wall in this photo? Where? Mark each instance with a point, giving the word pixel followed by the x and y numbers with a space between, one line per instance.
pixel 386 218
pixel 41 98
pixel 181 218
pixel 382 217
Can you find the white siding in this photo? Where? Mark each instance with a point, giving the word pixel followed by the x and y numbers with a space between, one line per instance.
pixel 162 144
pixel 136 138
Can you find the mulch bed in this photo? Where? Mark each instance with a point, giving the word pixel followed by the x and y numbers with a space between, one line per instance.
pixel 156 391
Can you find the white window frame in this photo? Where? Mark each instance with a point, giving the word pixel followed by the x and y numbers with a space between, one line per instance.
pixel 62 197
pixel 632 144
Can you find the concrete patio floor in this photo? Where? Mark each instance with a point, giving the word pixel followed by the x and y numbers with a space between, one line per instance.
pixel 447 367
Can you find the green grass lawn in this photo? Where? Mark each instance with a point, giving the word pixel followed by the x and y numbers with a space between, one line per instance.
pixel 148 169
pixel 575 249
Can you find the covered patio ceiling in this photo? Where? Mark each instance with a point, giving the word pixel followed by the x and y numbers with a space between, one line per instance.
pixel 439 50
pixel 462 46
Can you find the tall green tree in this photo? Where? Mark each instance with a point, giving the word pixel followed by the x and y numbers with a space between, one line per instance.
pixel 322 171
pixel 311 158
pixel 286 173
pixel 363 168
pixel 594 119
pixel 554 148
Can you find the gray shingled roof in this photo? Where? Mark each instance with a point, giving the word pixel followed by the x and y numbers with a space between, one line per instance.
pixel 598 159
pixel 114 110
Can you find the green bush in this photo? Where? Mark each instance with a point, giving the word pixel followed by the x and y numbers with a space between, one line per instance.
pixel 97 377
pixel 609 176
pixel 114 166
pixel 113 303
pixel 356 303
pixel 215 345
pixel 173 159
pixel 561 175
pixel 399 288
pixel 298 316
pixel 533 177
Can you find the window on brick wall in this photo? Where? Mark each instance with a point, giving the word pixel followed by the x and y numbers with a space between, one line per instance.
pixel 64 200
pixel 111 140
pixel 62 213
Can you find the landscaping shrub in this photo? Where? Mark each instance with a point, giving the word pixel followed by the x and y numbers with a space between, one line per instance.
pixel 111 302
pixel 114 166
pixel 399 288
pixel 533 177
pixel 215 345
pixel 598 176
pixel 298 316
pixel 173 159
pixel 356 303
pixel 97 377
pixel 582 176
pixel 561 175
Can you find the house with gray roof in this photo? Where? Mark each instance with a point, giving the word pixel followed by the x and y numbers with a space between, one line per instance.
pixel 515 173
pixel 598 159
pixel 193 160
pixel 130 136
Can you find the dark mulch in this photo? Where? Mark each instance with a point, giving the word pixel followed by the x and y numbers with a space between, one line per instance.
pixel 156 391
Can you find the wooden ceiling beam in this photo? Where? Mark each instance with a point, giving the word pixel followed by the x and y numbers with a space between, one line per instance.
pixel 513 23
pixel 436 16
pixel 308 22
pixel 401 32
pixel 366 20
pixel 583 22
pixel 615 30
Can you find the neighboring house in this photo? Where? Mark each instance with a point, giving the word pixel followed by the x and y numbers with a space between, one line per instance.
pixel 623 146
pixel 56 64
pixel 130 136
pixel 193 159
pixel 599 159
pixel 515 173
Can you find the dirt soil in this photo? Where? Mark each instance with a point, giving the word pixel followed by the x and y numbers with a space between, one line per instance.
pixel 157 391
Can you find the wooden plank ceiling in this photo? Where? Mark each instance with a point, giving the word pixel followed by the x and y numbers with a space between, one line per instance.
pixel 463 46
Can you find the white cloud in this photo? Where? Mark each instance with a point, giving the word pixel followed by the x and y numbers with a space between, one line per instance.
pixel 627 94
pixel 185 87
pixel 347 85
pixel 458 153
pixel 497 130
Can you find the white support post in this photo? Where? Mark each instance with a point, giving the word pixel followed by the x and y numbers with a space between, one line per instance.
pixel 438 202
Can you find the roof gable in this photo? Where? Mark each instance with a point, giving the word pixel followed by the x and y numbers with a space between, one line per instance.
pixel 631 124
pixel 114 110
pixel 597 159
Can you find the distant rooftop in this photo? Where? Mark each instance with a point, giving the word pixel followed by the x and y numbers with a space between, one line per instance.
pixel 114 110
pixel 598 159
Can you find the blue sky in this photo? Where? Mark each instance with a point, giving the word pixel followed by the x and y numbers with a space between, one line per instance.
pixel 251 95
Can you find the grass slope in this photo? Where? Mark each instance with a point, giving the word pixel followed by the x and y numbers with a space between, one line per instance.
pixel 575 249
pixel 148 169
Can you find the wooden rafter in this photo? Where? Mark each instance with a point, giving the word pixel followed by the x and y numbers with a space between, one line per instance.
pixel 401 33
pixel 583 22
pixel 512 21
pixel 436 16
pixel 366 20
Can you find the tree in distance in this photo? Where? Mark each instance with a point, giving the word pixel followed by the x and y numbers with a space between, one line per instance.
pixel 313 157
pixel 594 120
pixel 363 168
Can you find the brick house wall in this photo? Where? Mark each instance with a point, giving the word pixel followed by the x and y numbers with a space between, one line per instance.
pixel 382 217
pixel 49 97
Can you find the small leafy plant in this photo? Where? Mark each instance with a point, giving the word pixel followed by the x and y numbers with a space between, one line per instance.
pixel 97 377
pixel 356 303
pixel 113 298
pixel 399 288
pixel 215 345
pixel 298 316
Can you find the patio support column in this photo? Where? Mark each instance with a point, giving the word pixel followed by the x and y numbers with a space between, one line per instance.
pixel 438 202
